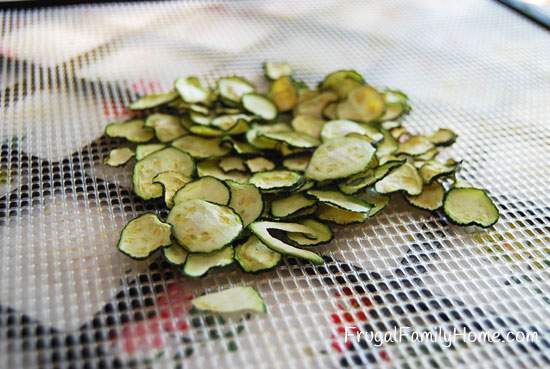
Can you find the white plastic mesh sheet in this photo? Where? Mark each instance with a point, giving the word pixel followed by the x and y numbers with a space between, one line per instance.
pixel 68 299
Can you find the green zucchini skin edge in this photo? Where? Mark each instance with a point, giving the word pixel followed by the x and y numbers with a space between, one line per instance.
pixel 209 269
pixel 317 244
pixel 473 223
pixel 152 252
pixel 241 267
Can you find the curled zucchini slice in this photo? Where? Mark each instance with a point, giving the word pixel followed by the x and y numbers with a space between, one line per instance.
pixel 261 230
pixel 275 71
pixel 118 157
pixel 434 169
pixel 397 104
pixel 359 181
pixel 259 105
pixel 363 104
pixel 431 197
pixel 144 235
pixel 246 200
pixel 232 300
pixel 253 255
pixel 254 135
pixel 321 234
pixel 201 226
pixel 342 127
pixel 289 206
pixel 232 89
pixel 470 206
pixel 415 145
pixel 297 163
pixel 341 201
pixel 167 127
pixel 171 182
pixel 339 216
pixel 404 178
pixel 239 147
pixel 342 82
pixel 309 125
pixel 133 130
pixel 192 91
pixel 283 94
pixel 340 158
pixel 387 146
pixel 293 139
pixel 211 168
pixel 165 160
pixel 175 254
pixel 206 188
pixel 442 137
pixel 153 100
pixel 230 163
pixel 200 147
pixel 314 104
pixel 146 149
pixel 277 180
pixel 377 200
pixel 232 123
pixel 259 164
pixel 197 265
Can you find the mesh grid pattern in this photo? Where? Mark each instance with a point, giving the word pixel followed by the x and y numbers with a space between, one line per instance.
pixel 68 299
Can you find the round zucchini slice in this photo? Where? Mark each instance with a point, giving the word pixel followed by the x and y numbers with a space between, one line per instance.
pixel 404 178
pixel 197 265
pixel 470 206
pixel 289 206
pixel 206 188
pixel 232 300
pixel 259 105
pixel 341 201
pixel 201 226
pixel 192 91
pixel 431 197
pixel 153 100
pixel 246 200
pixel 253 255
pixel 175 254
pixel 261 230
pixel 232 89
pixel 118 157
pixel 340 216
pixel 146 149
pixel 275 71
pixel 309 125
pixel 165 160
pixel 259 164
pixel 442 137
pixel 363 104
pixel 276 180
pixel 293 139
pixel 340 158
pixel 167 127
pixel 321 234
pixel 133 130
pixel 200 147
pixel 283 94
pixel 415 145
pixel 171 182
pixel 342 127
pixel 144 235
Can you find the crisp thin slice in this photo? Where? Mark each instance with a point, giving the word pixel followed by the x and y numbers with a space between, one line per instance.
pixel 434 169
pixel 341 200
pixel 165 160
pixel 293 139
pixel 232 300
pixel 206 188
pixel 364 179
pixel 259 164
pixel 232 89
pixel 343 127
pixel 253 255
pixel 363 104
pixel 167 127
pixel 211 168
pixel 428 155
pixel 241 148
pixel 404 178
pixel 191 90
pixel 431 197
pixel 133 130
pixel 377 200
pixel 200 118
pixel 442 137
pixel 261 230
pixel 201 147
pixel 340 158
pixel 387 146
pixel 259 105
pixel 276 180
pixel 153 100
pixel 321 234
pixel 198 264
pixel 284 95
pixel 246 200
pixel 315 104
pixel 470 206
pixel 171 182
pixel 201 226
pixel 175 254
pixel 144 235
pixel 342 81
pixel 118 157
pixel 146 149
pixel 339 216
pixel 397 104
pixel 231 122
pixel 290 205
pixel 230 163
pixel 309 125
pixel 254 135
pixel 297 163
pixel 275 71
pixel 415 145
